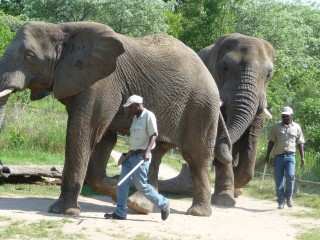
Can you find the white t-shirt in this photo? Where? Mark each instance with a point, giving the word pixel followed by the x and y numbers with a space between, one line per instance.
pixel 141 129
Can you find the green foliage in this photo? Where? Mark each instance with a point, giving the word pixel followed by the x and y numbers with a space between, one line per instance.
pixel 135 17
pixel 200 23
pixel 7 24
pixel 38 126
pixel 132 17
pixel 294 33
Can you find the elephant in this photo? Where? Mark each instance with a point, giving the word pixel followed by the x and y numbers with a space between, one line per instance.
pixel 241 66
pixel 92 70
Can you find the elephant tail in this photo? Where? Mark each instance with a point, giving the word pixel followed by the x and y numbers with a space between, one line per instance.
pixel 224 128
pixel 223 148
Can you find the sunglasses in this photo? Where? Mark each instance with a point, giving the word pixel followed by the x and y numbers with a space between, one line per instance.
pixel 285 116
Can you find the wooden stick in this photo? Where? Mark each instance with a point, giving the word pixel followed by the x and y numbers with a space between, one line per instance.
pixel 264 174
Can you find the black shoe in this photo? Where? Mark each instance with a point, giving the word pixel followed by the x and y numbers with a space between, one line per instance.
pixel 165 212
pixel 289 202
pixel 113 216
pixel 281 206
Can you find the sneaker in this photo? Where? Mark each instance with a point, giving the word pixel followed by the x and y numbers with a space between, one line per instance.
pixel 113 216
pixel 165 212
pixel 281 206
pixel 289 202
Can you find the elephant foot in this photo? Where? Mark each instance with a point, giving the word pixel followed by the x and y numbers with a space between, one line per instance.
pixel 138 203
pixel 238 192
pixel 223 199
pixel 62 206
pixel 200 210
pixel 180 184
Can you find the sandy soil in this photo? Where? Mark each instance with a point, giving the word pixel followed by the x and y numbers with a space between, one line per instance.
pixel 250 219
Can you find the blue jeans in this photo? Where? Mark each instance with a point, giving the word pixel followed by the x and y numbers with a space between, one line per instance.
pixel 284 176
pixel 139 179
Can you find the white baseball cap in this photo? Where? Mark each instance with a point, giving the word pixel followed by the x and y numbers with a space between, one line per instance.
pixel 133 99
pixel 287 111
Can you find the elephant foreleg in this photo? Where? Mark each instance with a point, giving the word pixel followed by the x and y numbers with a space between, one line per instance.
pixel 137 201
pixel 224 185
pixel 79 145
pixel 96 174
pixel 244 172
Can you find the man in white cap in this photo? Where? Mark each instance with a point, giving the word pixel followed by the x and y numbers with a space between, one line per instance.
pixel 285 135
pixel 143 134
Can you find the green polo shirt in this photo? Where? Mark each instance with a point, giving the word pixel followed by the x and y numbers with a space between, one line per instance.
pixel 286 137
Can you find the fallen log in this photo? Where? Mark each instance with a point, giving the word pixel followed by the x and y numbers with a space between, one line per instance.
pixel 32 170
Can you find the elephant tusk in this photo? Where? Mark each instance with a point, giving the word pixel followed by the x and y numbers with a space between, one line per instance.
pixel 6 92
pixel 221 103
pixel 266 114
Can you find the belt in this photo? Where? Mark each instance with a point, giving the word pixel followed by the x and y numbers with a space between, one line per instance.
pixel 138 151
pixel 285 153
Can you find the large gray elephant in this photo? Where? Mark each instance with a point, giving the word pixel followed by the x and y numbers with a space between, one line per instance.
pixel 242 67
pixel 92 70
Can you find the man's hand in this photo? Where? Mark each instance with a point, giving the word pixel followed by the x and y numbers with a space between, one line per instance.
pixel 302 162
pixel 267 159
pixel 147 155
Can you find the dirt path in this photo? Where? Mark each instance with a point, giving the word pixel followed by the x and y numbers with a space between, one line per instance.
pixel 250 219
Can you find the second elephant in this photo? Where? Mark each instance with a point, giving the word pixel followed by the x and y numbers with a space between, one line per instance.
pixel 241 66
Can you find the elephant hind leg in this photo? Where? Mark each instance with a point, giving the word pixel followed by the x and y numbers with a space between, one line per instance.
pixel 201 188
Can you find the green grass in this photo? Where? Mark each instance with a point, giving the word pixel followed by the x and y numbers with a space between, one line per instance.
pixel 27 157
pixel 268 192
pixel 312 234
pixel 44 229
pixel 30 189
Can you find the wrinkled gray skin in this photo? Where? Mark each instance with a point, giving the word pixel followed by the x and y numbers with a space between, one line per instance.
pixel 241 66
pixel 92 70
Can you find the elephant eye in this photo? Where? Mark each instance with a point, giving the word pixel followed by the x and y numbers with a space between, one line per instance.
pixel 29 57
pixel 270 73
pixel 225 67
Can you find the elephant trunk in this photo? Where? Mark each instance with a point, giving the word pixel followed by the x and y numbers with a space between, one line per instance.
pixel 3 102
pixel 240 112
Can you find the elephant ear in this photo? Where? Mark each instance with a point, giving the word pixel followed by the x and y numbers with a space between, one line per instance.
pixel 89 55
pixel 213 60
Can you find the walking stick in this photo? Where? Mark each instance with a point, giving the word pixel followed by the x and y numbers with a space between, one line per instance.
pixel 130 173
pixel 264 174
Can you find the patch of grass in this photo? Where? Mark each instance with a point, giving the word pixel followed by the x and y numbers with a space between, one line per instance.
pixel 315 213
pixel 4 219
pixel 268 192
pixel 43 229
pixel 39 189
pixel 27 157
pixel 35 126
pixel 312 234
pixel 174 159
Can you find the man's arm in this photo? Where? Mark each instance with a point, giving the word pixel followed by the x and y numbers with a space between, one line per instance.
pixel 301 150
pixel 269 149
pixel 147 154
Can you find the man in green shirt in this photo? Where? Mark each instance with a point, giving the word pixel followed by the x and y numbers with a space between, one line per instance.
pixel 285 135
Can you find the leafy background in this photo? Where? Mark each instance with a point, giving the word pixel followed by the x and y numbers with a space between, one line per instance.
pixel 292 27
